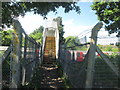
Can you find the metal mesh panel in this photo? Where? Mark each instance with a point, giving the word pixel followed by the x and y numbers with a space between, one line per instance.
pixel 30 62
pixel 74 71
pixel 104 77
pixel 6 73
pixel 19 60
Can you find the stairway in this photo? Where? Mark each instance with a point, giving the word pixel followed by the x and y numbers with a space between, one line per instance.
pixel 49 50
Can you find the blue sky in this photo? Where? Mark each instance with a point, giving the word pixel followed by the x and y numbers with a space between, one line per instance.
pixel 86 17
pixel 73 23
pixel 71 20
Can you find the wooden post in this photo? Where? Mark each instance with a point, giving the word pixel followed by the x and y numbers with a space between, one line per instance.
pixel 17 43
pixel 91 55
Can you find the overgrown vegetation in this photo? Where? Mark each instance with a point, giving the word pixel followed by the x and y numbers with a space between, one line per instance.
pixel 14 9
pixel 6 73
pixel 1 53
pixel 64 77
pixel 37 34
pixel 61 29
pixel 35 81
pixel 111 48
pixel 6 37
pixel 73 43
pixel 109 13
pixel 104 76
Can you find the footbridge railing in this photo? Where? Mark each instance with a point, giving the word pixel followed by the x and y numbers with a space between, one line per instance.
pixel 20 59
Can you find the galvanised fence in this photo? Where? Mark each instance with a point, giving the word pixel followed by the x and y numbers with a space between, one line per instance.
pixel 19 60
pixel 97 70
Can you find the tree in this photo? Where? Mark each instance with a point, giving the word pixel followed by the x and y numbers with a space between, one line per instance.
pixel 61 29
pixel 6 37
pixel 39 30
pixel 14 9
pixel 72 41
pixel 37 34
pixel 109 13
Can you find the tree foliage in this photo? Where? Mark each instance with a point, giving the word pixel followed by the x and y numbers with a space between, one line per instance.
pixel 109 13
pixel 71 42
pixel 37 34
pixel 14 9
pixel 6 37
pixel 61 29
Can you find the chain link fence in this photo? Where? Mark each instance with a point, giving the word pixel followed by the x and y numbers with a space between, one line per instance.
pixel 73 70
pixel 103 77
pixel 104 69
pixel 18 64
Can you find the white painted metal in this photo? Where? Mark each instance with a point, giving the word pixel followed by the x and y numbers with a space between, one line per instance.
pixel 3 48
pixel 51 29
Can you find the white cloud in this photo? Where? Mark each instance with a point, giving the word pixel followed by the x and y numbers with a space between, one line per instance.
pixel 31 22
pixel 72 29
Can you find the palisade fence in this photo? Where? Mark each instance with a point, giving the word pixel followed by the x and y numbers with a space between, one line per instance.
pixel 95 71
pixel 20 59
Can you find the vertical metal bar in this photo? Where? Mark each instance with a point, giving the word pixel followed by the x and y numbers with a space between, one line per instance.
pixel 35 54
pixel 91 55
pixel 0 44
pixel 23 66
pixel 31 57
pixel 11 60
pixel 41 54
pixel 0 15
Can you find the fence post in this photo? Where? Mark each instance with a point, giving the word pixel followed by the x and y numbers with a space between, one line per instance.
pixel 91 55
pixel 16 53
pixel 24 62
pixel 35 53
pixel 0 45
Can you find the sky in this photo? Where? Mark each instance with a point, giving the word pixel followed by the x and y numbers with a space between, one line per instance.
pixel 71 21
pixel 74 24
